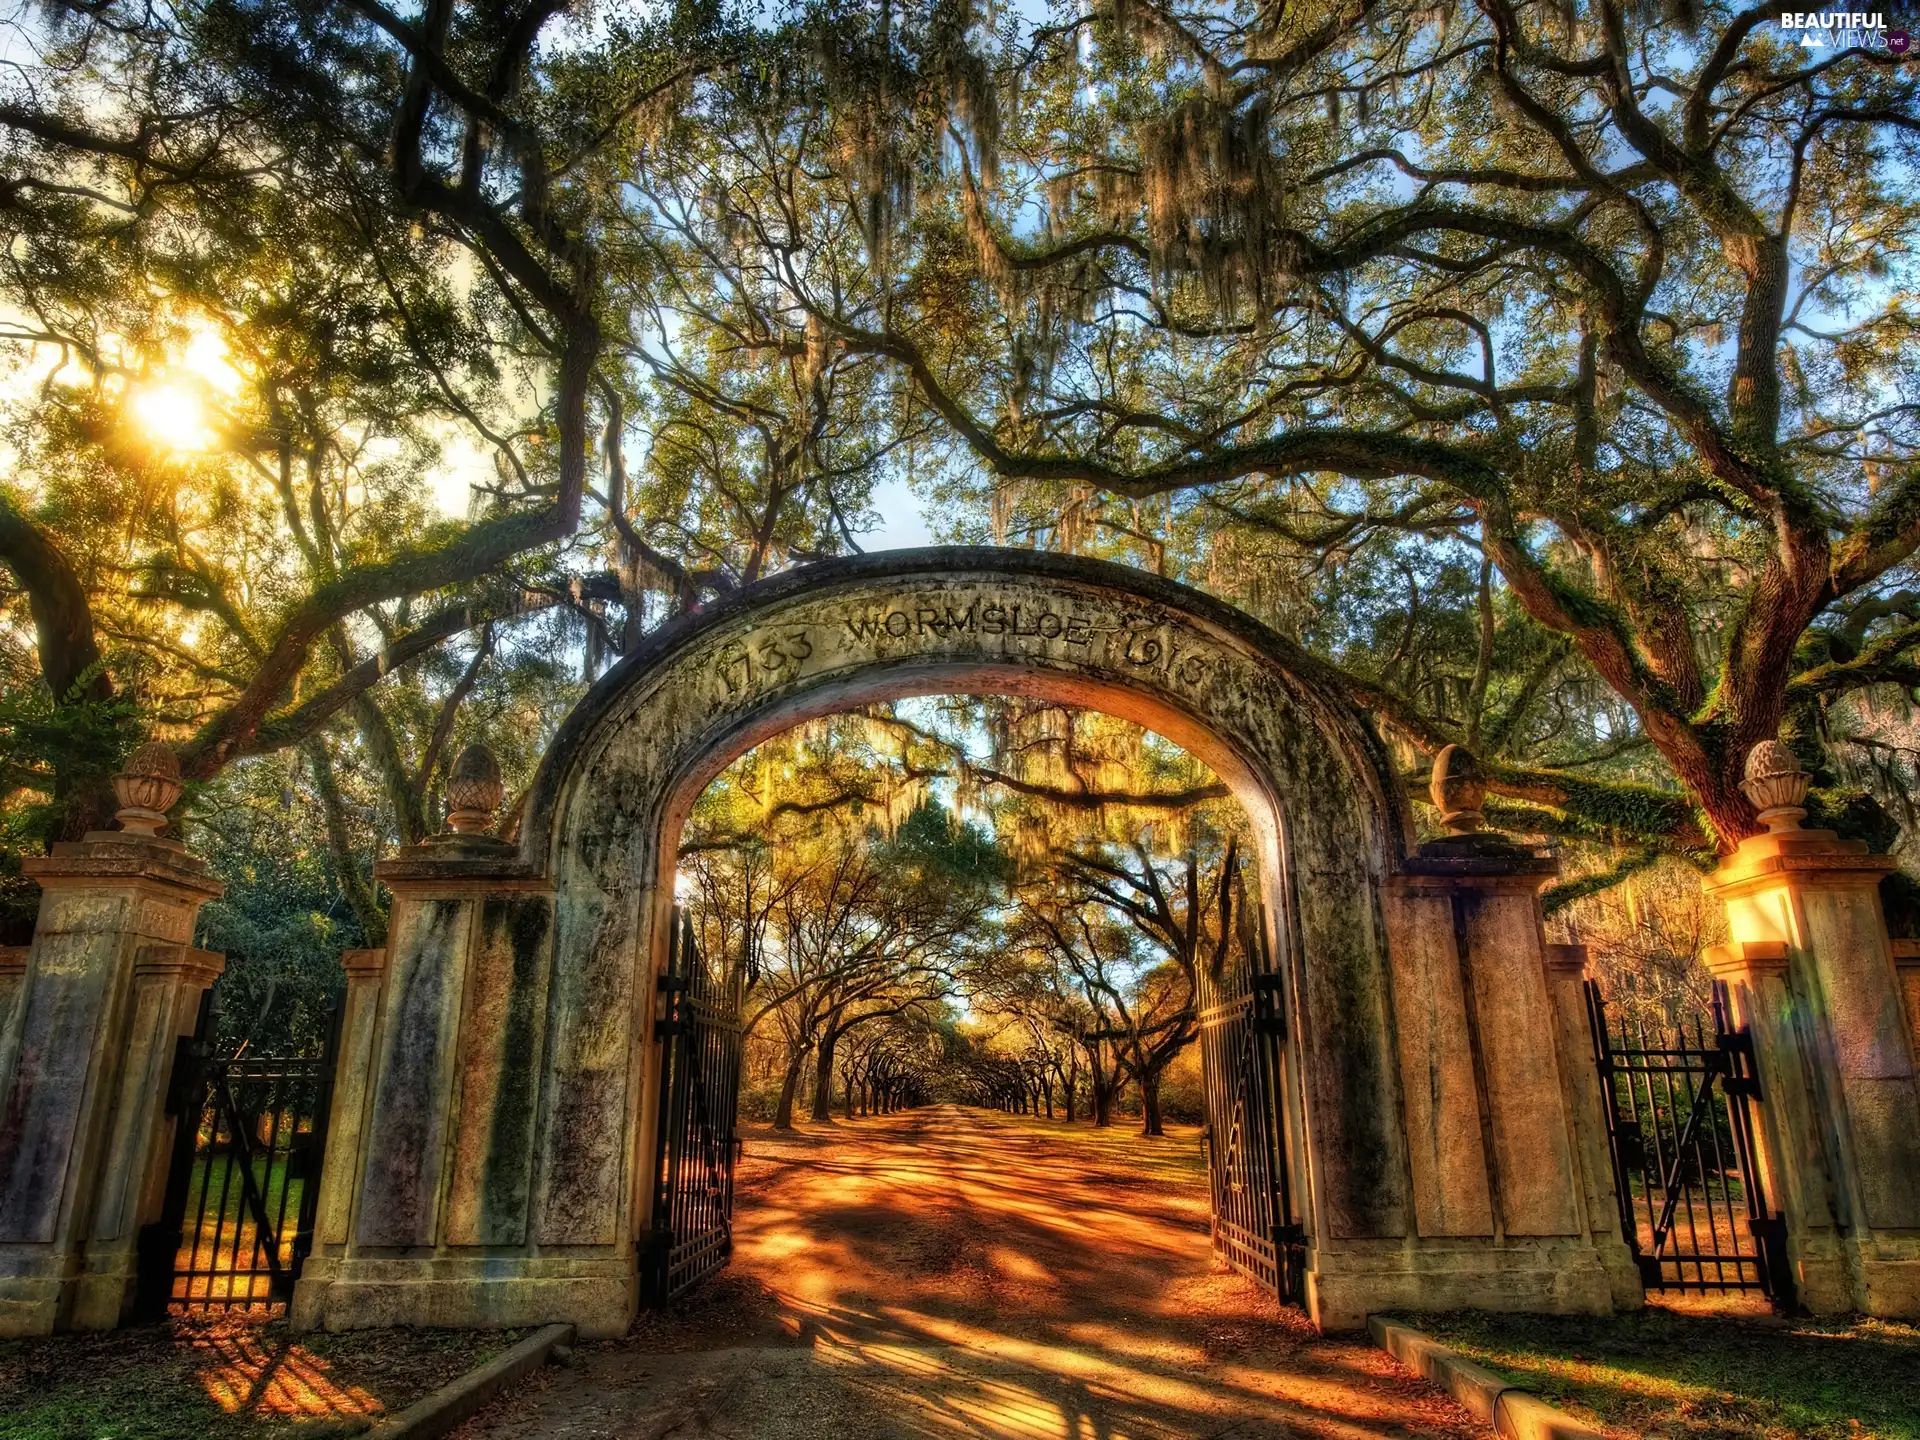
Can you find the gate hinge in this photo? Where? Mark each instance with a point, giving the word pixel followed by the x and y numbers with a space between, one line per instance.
pixel 667 1029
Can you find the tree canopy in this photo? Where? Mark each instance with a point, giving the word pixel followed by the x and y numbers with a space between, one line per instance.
pixel 1545 367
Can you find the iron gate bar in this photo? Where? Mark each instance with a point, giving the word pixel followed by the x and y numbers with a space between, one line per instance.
pixel 242 1143
pixel 695 1143
pixel 1242 1029
pixel 219 1105
pixel 1686 1153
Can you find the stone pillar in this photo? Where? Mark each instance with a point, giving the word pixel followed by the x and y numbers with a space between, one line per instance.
pixel 1512 1198
pixel 1587 1105
pixel 1812 973
pixel 429 1193
pixel 111 984
pixel 346 1117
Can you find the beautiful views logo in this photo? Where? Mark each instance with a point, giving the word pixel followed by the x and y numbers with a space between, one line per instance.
pixel 1842 30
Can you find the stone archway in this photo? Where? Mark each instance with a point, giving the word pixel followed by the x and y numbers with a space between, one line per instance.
pixel 496 1070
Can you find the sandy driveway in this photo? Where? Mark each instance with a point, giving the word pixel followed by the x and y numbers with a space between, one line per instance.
pixel 955 1272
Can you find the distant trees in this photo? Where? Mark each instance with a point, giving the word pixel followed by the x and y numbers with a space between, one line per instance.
pixel 1116 939
pixel 833 866
pixel 896 1063
pixel 846 921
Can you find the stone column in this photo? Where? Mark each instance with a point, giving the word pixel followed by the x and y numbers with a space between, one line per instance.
pixel 1811 972
pixel 346 1117
pixel 428 1201
pixel 111 984
pixel 1587 1105
pixel 1511 1210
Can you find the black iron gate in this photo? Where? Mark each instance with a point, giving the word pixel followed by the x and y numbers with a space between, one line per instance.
pixel 236 1220
pixel 695 1145
pixel 1243 1061
pixel 1692 1204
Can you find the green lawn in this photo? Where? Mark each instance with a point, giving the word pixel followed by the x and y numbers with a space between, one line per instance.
pixel 225 1190
pixel 1728 1376
pixel 224 1379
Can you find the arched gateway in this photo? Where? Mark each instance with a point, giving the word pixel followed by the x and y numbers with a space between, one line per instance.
pixel 491 1138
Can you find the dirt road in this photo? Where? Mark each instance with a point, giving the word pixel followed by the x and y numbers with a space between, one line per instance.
pixel 955 1272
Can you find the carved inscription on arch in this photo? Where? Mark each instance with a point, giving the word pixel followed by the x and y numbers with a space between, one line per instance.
pixel 1140 643
pixel 761 659
pixel 981 617
pixel 1134 642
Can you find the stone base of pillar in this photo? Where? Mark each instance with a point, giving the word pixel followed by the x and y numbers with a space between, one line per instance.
pixel 1845 1276
pixel 44 1289
pixel 599 1296
pixel 1822 1283
pixel 1886 1275
pixel 1548 1276
pixel 34 1286
pixel 103 1292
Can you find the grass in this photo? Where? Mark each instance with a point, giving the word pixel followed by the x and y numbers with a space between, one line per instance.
pixel 222 1378
pixel 219 1177
pixel 1689 1376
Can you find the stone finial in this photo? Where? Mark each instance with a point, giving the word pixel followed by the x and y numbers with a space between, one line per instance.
pixel 146 787
pixel 1459 789
pixel 1776 785
pixel 473 791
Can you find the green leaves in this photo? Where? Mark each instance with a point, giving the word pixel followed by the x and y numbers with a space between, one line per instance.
pixel 55 752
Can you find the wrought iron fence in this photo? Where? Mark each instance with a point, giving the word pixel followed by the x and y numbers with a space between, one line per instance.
pixel 1693 1204
pixel 236 1220
pixel 696 1146
pixel 1242 1052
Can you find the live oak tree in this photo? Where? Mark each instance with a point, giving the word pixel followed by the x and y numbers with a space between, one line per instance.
pixel 380 226
pixel 1183 909
pixel 1609 303
pixel 1544 368
pixel 1112 941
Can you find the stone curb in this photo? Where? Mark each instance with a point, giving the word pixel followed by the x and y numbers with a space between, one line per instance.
pixel 460 1398
pixel 1512 1412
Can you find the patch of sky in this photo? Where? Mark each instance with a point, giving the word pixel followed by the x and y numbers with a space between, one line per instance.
pixel 902 517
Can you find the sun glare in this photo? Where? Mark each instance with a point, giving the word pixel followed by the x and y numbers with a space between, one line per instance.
pixel 172 417
pixel 206 356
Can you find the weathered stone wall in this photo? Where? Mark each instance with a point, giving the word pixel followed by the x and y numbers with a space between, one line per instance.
pixel 502 1170
pixel 1239 700
pixel 1814 976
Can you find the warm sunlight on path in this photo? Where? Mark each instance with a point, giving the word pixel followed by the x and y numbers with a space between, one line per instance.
pixel 956 1272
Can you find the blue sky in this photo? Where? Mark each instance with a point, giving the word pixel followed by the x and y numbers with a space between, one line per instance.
pixel 903 521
